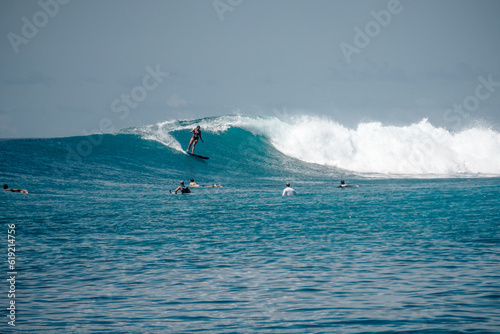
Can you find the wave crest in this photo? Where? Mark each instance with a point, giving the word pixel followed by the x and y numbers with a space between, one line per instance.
pixel 417 149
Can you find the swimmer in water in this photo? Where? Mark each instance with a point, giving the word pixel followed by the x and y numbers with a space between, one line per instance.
pixel 343 185
pixel 6 188
pixel 288 191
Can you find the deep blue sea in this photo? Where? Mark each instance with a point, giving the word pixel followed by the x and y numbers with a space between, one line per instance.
pixel 102 246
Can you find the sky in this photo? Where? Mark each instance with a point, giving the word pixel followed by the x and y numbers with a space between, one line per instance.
pixel 70 68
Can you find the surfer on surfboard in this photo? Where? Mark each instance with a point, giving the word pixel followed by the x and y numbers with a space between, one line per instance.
pixel 182 188
pixel 6 188
pixel 196 135
pixel 344 185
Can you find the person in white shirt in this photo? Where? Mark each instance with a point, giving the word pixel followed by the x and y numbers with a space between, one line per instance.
pixel 193 184
pixel 288 191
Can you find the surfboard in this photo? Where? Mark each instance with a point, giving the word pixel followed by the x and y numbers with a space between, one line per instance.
pixel 180 192
pixel 198 156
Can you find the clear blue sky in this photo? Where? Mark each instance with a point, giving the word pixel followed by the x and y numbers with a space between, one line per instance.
pixel 75 67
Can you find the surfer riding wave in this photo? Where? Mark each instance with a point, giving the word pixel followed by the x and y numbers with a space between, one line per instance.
pixel 196 135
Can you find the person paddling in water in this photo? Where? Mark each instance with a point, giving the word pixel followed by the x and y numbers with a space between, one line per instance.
pixel 196 135
pixel 6 188
pixel 182 188
pixel 344 185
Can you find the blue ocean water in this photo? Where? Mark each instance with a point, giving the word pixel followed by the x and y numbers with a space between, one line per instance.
pixel 102 245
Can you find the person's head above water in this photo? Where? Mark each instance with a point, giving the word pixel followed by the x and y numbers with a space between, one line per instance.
pixel 288 184
pixel 192 180
pixel 182 182
pixel 5 186
pixel 342 182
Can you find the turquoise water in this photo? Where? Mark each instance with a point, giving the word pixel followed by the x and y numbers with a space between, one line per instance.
pixel 102 246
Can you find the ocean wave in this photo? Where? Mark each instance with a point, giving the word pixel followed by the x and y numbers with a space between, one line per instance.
pixel 418 149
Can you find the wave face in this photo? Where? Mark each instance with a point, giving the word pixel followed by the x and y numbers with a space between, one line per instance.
pixel 247 148
pixel 374 149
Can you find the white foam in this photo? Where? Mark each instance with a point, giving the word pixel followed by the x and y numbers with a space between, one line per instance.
pixel 161 133
pixel 417 149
